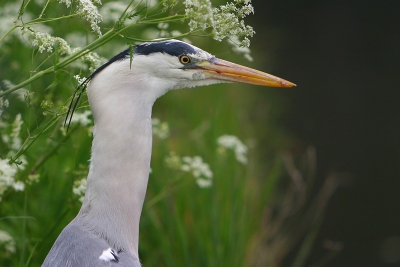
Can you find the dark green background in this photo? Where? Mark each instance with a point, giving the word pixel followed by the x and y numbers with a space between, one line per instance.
pixel 344 56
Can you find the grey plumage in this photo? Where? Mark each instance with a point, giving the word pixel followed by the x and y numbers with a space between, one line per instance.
pixel 79 247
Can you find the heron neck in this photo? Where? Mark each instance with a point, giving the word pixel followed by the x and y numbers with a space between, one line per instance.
pixel 119 170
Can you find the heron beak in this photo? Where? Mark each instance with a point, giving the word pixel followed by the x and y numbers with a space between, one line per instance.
pixel 227 71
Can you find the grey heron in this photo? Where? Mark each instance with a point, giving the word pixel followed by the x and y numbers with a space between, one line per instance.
pixel 121 94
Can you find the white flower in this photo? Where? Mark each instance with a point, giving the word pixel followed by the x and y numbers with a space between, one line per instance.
pixel 16 128
pixel 160 129
pixel 88 11
pixel 173 161
pixel 234 143
pixel 7 173
pixel 226 20
pixel 200 13
pixel 3 104
pixel 45 43
pixel 8 242
pixel 82 118
pixel 199 169
pixel 79 189
pixel 91 14
pixel 194 165
pixel 241 47
pixel 204 182
pixel 168 4
pixel 13 140
pixel 66 2
pixel 18 186
pixel 33 178
pixel 79 79
pixel 91 58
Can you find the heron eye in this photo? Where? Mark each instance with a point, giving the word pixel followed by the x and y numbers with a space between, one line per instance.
pixel 184 59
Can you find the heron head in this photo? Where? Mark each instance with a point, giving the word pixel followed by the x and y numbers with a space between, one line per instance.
pixel 157 67
pixel 180 65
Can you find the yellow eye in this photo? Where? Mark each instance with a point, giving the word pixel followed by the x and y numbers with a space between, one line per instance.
pixel 184 59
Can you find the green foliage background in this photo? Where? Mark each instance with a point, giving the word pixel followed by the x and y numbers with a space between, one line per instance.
pixel 182 224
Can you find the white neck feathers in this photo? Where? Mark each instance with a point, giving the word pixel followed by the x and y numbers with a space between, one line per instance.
pixel 121 152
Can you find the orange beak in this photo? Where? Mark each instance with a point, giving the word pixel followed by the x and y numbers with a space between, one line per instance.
pixel 227 71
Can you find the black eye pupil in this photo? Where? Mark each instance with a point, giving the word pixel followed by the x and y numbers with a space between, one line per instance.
pixel 185 59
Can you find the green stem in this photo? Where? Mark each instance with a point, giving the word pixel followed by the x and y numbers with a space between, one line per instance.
pixel 8 32
pixel 41 20
pixel 160 39
pixel 44 8
pixel 28 81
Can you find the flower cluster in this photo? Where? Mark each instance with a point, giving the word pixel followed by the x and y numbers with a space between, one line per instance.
pixel 89 12
pixel 3 104
pixel 199 169
pixel 13 140
pixel 7 173
pixel 237 48
pixel 46 42
pixel 7 241
pixel 194 165
pixel 167 4
pixel 160 129
pixel 82 118
pixel 79 188
pixel 234 143
pixel 79 79
pixel 91 58
pixel 200 13
pixel 225 21
pixel 66 2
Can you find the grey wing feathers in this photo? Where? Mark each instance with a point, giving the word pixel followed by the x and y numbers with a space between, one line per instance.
pixel 77 247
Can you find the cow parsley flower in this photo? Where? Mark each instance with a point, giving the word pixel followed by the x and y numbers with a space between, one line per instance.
pixel 91 14
pixel 234 143
pixel 66 2
pixel 88 11
pixel 13 139
pixel 45 43
pixel 91 58
pixel 225 20
pixel 79 188
pixel 7 241
pixel 82 118
pixel 199 169
pixel 33 178
pixel 173 161
pixel 200 13
pixel 168 4
pixel 7 173
pixel 194 165
pixel 160 129
pixel 240 48
pixel 79 79
pixel 3 104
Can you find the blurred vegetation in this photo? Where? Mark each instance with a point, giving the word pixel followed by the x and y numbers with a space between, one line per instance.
pixel 231 223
